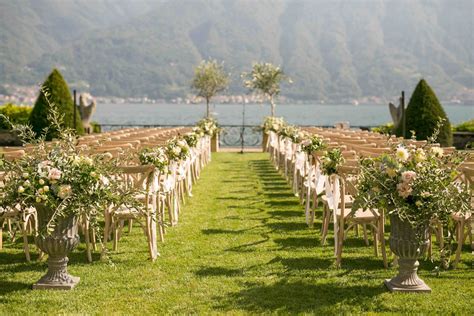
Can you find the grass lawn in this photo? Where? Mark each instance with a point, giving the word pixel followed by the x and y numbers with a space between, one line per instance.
pixel 241 247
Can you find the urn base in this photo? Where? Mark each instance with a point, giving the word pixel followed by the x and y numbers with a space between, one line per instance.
pixel 396 287
pixel 57 277
pixel 72 282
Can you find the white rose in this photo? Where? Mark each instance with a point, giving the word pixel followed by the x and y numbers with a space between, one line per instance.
pixel 176 151
pixel 64 191
pixel 41 181
pixel 21 189
pixel 437 151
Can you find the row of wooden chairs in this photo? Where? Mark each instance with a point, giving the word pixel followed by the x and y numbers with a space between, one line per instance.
pixel 304 173
pixel 163 192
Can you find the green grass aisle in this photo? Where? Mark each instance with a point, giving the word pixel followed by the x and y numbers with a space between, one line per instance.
pixel 241 246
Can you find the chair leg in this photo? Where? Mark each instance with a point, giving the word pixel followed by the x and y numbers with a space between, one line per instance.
pixel 92 234
pixel 130 225
pixel 340 241
pixel 364 228
pixel 382 242
pixel 441 236
pixel 460 242
pixel 116 236
pixel 87 241
pixel 376 244
pixel 106 234
pixel 26 248
pixel 1 236
pixel 327 218
pixel 430 244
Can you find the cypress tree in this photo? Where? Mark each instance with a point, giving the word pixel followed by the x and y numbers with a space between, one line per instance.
pixel 61 97
pixel 422 115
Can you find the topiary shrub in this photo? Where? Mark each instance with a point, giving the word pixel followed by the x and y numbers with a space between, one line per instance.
pixel 422 115
pixel 17 114
pixel 61 97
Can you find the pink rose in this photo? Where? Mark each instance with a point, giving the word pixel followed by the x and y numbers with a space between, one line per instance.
pixel 54 174
pixel 408 176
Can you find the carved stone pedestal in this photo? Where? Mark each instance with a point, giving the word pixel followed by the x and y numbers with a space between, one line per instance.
pixel 57 277
pixel 405 244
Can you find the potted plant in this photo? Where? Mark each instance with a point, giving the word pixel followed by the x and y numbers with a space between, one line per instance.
pixel 416 186
pixel 64 186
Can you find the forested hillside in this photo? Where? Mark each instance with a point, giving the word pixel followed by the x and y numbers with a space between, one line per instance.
pixel 333 50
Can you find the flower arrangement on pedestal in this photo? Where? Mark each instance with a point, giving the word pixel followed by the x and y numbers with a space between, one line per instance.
pixel 273 124
pixel 64 186
pixel 209 126
pixel 416 186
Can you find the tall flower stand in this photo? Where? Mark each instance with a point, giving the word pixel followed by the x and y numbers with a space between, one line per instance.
pixel 405 245
pixel 264 141
pixel 215 143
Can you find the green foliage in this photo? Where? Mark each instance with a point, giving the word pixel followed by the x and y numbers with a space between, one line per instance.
pixel 96 127
pixel 467 126
pixel 313 143
pixel 386 129
pixel 265 78
pixel 17 114
pixel 57 87
pixel 209 79
pixel 331 161
pixel 423 114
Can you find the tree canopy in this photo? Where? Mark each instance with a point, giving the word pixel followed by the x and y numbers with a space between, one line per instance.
pixel 60 96
pixel 209 79
pixel 422 115
pixel 266 79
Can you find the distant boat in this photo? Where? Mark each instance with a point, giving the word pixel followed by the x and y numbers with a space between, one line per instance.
pixel 355 102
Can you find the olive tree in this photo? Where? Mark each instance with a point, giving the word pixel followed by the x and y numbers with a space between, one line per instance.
pixel 265 78
pixel 209 79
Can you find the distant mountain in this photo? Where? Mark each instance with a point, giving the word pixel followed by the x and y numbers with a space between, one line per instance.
pixel 333 50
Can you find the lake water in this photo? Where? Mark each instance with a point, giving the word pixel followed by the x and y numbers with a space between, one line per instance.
pixel 232 114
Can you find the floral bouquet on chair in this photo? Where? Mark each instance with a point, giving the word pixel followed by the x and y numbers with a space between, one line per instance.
pixel 177 149
pixel 312 143
pixel 273 124
pixel 209 126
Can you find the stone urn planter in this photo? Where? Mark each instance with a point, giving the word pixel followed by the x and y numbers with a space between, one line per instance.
pixel 57 245
pixel 264 141
pixel 215 143
pixel 405 245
